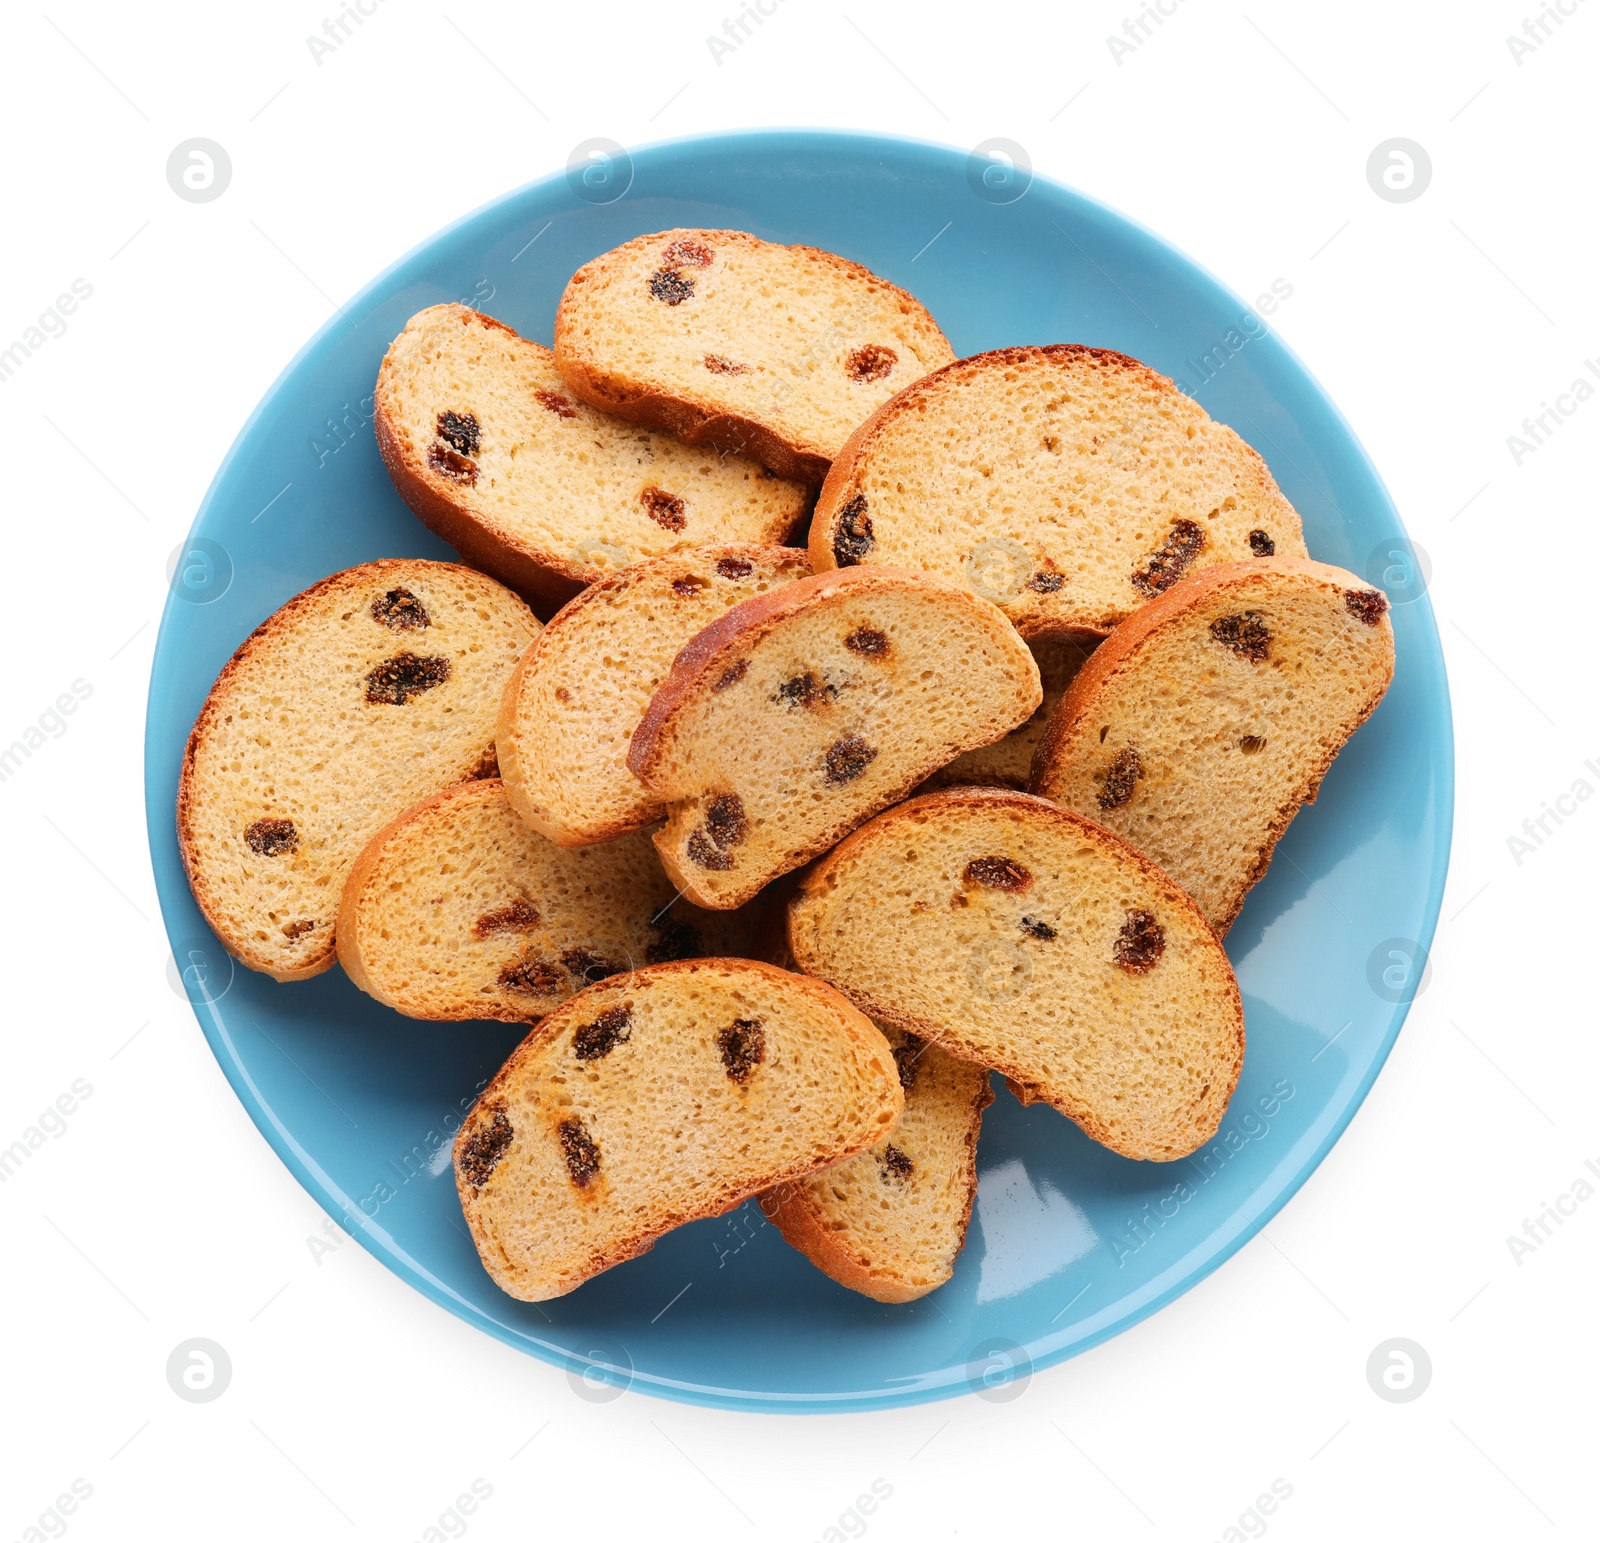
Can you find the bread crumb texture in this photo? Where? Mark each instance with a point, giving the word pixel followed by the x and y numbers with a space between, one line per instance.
pixel 362 696
pixel 703 1084
pixel 1208 720
pixel 482 420
pixel 1020 936
pixel 1067 484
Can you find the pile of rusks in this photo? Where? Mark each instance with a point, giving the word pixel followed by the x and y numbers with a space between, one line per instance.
pixel 781 850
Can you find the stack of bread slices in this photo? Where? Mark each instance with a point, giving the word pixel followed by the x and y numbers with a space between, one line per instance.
pixel 782 837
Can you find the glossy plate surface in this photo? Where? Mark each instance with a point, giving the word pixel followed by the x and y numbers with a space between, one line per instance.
pixel 1069 1244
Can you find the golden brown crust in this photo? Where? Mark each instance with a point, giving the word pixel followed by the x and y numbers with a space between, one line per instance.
pixel 820 880
pixel 280 621
pixel 697 420
pixel 655 1224
pixel 1121 650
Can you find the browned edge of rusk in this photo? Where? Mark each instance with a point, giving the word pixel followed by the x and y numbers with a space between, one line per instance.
pixel 820 881
pixel 837 487
pixel 790 1210
pixel 1120 652
pixel 856 1025
pixel 279 621
pixel 567 620
pixel 347 926
pixel 749 621
pixel 698 420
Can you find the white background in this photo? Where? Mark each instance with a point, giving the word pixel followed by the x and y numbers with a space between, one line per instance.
pixel 359 1410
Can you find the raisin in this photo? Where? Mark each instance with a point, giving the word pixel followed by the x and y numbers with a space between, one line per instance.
pixel 447 463
pixel 400 611
pixel 1038 929
pixel 805 690
pixel 868 641
pixel 519 916
pixel 872 361
pixel 726 822
pixel 684 253
pixel 852 534
pixel 297 930
pixel 482 1150
pixel 1366 605
pixel 686 587
pixel 720 366
pixel 704 855
pixel 460 431
pixel 594 1041
pixel 272 838
pixel 587 967
pixel 847 758
pixel 397 680
pixel 670 287
pixel 742 1046
pixel 553 401
pixel 1121 776
pixel 533 977
pixel 896 1165
pixel 908 1060
pixel 733 568
pixel 1247 634
pixel 1252 744
pixel 1046 583
pixel 1262 544
pixel 675 940
pixel 1169 562
pixel 582 1155
pixel 999 873
pixel 664 508
pixel 1140 944
pixel 732 675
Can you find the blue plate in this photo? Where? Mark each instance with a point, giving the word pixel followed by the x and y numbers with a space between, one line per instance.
pixel 1069 1243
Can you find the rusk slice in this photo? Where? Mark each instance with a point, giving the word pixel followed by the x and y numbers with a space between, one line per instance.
pixel 803 712
pixel 890 1222
pixel 364 695
pixel 1017 934
pixel 656 1098
pixel 1206 719
pixel 458 910
pixel 777 352
pixel 494 453
pixel 1067 484
pixel 571 707
pixel 1007 762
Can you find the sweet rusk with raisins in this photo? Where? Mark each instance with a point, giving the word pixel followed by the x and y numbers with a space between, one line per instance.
pixel 1202 724
pixel 1014 933
pixel 1070 485
pixel 496 455
pixel 776 352
pixel 459 910
pixel 802 712
pixel 360 697
pixel 657 1098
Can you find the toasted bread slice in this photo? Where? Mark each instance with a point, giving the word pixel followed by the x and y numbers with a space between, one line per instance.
pixel 776 352
pixel 1019 935
pixel 1008 762
pixel 362 696
pixel 493 453
pixel 571 708
pixel 458 910
pixel 654 1099
pixel 1067 484
pixel 804 711
pixel 890 1222
pixel 1206 719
